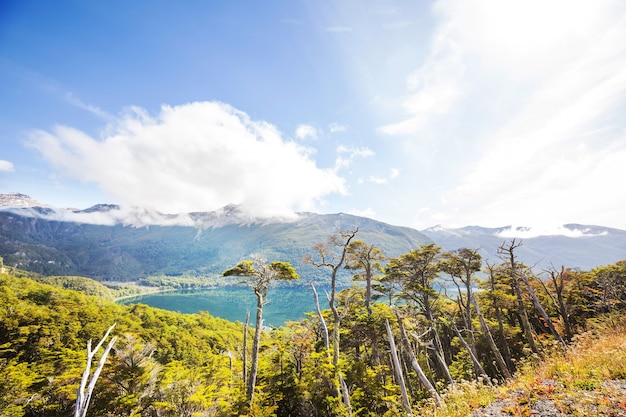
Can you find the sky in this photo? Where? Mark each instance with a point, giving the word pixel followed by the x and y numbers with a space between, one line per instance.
pixel 415 113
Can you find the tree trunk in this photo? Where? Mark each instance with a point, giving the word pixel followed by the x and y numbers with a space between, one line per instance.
pixel 477 365
pixel 345 394
pixel 85 391
pixel 521 310
pixel 505 345
pixel 321 317
pixel 541 310
pixel 494 348
pixel 254 366
pixel 559 303
pixel 416 366
pixel 245 347
pixel 438 347
pixel 398 370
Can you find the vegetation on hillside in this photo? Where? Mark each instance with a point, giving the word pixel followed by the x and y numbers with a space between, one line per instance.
pixel 414 351
pixel 126 253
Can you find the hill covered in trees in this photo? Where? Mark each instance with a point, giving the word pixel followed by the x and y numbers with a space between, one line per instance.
pixel 39 240
pixel 395 347
pixel 108 243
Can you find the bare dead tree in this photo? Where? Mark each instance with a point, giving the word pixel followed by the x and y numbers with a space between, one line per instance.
pixel 87 384
pixel 540 309
pixel 479 368
pixel 492 344
pixel 415 364
pixel 558 279
pixel 321 317
pixel 398 370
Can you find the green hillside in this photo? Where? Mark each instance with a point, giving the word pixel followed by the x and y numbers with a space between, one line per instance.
pixel 170 364
pixel 125 253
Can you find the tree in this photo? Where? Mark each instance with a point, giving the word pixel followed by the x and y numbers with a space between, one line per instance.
pixel 259 276
pixel 365 259
pixel 332 255
pixel 87 383
pixel 416 271
pixel 611 281
pixel 461 265
pixel 558 279
pixel 508 253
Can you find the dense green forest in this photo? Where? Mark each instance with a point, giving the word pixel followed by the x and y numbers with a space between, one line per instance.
pixel 395 344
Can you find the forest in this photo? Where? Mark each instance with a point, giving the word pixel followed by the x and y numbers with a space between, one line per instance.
pixel 398 342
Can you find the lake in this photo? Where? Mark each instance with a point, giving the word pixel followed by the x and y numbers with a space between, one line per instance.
pixel 232 302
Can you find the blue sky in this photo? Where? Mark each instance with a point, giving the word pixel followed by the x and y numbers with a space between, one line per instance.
pixel 416 113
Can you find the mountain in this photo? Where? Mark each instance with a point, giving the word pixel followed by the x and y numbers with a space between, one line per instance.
pixel 108 243
pixel 111 243
pixel 18 200
pixel 572 245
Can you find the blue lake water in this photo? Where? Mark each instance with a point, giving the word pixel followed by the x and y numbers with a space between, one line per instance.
pixel 231 303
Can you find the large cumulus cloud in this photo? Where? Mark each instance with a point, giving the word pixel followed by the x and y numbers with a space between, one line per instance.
pixel 193 157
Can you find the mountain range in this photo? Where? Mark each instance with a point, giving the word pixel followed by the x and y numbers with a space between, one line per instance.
pixel 110 243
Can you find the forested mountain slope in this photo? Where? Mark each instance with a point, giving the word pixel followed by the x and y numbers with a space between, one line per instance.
pixel 33 239
pixel 109 244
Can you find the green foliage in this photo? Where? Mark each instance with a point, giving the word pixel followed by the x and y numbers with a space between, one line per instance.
pixel 126 253
pixel 171 364
pixel 43 333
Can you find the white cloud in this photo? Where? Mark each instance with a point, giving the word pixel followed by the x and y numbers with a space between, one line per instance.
pixel 6 166
pixel 561 155
pixel 77 102
pixel 531 232
pixel 306 131
pixel 434 87
pixel 352 153
pixel 193 157
pixel 554 75
pixel 383 180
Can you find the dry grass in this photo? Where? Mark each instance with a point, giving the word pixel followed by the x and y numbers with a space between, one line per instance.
pixel 587 378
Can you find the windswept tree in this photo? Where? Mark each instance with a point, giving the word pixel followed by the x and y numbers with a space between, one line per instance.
pixel 611 281
pixel 365 259
pixel 461 265
pixel 416 272
pixel 259 275
pixel 507 252
pixel 332 255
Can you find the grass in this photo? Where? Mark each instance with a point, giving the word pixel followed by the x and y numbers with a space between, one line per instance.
pixel 586 378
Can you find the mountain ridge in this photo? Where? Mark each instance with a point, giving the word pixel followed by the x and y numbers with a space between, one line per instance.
pixel 110 242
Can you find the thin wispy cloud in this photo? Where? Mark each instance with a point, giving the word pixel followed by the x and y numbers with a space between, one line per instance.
pixel 194 157
pixel 54 88
pixel 552 74
pixel 77 102
pixel 384 180
pixel 346 155
pixel 337 128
